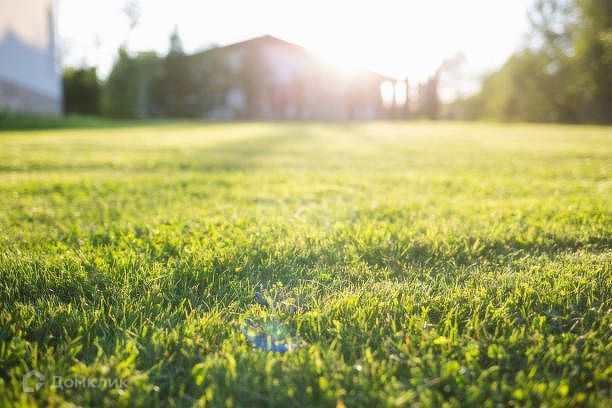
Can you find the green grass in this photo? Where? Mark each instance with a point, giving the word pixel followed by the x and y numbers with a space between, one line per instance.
pixel 416 264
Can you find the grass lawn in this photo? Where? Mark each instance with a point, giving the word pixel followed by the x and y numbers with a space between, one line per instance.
pixel 401 264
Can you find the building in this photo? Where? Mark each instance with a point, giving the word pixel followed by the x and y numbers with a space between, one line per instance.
pixel 30 79
pixel 268 78
pixel 261 78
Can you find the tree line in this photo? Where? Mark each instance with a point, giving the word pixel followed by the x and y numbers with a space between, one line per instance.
pixel 145 85
pixel 564 74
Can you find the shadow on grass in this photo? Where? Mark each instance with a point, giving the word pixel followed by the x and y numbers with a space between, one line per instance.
pixel 223 156
pixel 213 281
pixel 9 122
pixel 27 122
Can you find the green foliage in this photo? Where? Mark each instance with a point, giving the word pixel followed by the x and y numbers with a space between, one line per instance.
pixel 171 88
pixel 126 90
pixel 174 86
pixel 593 48
pixel 176 45
pixel 82 91
pixel 421 264
pixel 209 89
pixel 504 92
pixel 566 76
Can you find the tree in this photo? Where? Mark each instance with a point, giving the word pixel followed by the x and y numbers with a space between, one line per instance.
pixel 520 90
pixel 593 50
pixel 172 90
pixel 82 91
pixel 564 75
pixel 126 91
pixel 576 37
pixel 552 25
pixel 131 9
pixel 176 45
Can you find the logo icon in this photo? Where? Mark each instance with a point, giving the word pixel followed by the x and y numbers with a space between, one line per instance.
pixel 32 381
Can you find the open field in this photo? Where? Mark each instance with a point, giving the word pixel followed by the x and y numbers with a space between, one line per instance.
pixel 466 264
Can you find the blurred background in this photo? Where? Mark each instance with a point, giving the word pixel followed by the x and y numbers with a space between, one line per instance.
pixel 513 60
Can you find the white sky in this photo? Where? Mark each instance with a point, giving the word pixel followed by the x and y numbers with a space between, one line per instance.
pixel 399 38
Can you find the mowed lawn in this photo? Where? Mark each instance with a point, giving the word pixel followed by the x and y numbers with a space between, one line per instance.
pixel 410 263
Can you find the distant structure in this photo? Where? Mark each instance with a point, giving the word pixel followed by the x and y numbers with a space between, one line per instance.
pixel 30 80
pixel 273 79
pixel 269 78
pixel 263 78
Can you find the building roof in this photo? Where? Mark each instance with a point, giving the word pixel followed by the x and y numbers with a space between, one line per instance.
pixel 269 39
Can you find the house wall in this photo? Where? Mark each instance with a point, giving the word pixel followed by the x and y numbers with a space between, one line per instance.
pixel 30 79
